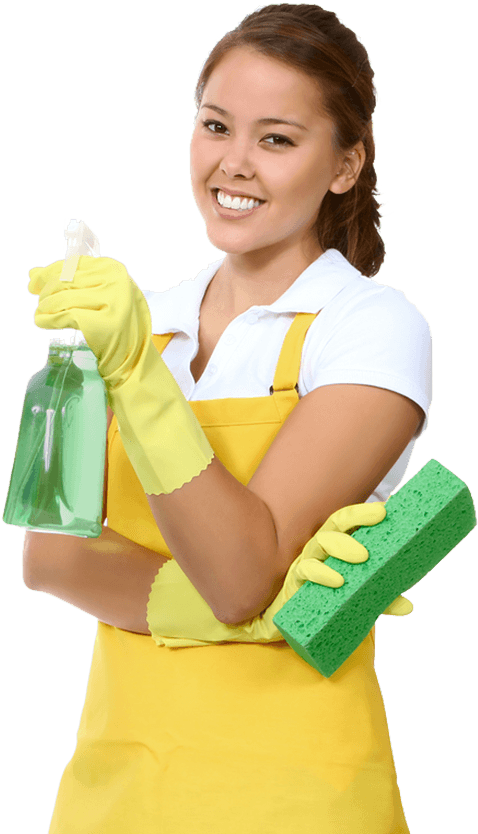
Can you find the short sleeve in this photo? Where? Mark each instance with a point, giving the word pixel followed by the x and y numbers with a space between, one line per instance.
pixel 374 337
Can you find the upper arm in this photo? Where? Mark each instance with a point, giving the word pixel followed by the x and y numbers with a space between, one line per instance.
pixel 110 415
pixel 335 447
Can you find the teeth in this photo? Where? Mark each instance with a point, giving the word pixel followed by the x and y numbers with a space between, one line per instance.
pixel 239 203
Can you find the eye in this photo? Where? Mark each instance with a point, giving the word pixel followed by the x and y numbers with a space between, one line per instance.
pixel 283 140
pixel 211 122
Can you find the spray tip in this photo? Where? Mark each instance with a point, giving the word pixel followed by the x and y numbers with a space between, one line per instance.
pixel 81 241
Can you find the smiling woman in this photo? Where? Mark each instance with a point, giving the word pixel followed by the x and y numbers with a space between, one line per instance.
pixel 299 387
pixel 310 165
pixel 329 134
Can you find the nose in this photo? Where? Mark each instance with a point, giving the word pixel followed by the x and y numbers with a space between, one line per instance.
pixel 236 158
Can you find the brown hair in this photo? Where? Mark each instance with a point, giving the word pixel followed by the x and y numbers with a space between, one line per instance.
pixel 315 42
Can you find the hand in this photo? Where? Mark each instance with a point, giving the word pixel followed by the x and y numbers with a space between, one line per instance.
pixel 104 303
pixel 343 520
pixel 177 615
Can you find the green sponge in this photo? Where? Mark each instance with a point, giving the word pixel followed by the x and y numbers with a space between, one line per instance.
pixel 425 520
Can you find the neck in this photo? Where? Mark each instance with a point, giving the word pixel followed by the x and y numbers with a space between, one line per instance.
pixel 242 282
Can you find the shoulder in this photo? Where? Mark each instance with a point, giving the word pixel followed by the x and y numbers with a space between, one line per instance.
pixel 363 318
pixel 370 334
pixel 368 302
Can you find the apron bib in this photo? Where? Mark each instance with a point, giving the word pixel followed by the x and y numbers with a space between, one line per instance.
pixel 233 738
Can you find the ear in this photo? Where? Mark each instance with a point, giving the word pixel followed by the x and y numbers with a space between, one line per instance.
pixel 349 168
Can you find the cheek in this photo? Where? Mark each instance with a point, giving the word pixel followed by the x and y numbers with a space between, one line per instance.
pixel 309 183
pixel 197 152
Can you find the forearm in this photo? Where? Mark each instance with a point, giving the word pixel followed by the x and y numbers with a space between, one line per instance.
pixel 223 537
pixel 109 577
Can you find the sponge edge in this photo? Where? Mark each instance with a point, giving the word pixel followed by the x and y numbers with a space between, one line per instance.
pixel 425 520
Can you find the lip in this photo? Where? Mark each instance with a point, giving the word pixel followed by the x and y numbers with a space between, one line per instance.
pixel 235 193
pixel 231 214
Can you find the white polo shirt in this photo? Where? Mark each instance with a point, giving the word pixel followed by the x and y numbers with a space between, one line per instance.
pixel 367 333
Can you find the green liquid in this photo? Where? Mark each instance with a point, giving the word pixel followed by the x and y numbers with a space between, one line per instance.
pixel 58 472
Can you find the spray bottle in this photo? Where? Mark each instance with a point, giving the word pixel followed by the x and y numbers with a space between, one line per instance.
pixel 57 478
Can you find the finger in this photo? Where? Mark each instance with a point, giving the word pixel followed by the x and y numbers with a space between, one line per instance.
pixel 399 607
pixel 355 515
pixel 57 300
pixel 57 322
pixel 69 308
pixel 48 279
pixel 37 280
pixel 40 275
pixel 313 571
pixel 339 545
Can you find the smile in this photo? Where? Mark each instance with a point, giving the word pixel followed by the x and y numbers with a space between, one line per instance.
pixel 232 214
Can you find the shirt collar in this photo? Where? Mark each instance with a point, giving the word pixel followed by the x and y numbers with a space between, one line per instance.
pixel 177 309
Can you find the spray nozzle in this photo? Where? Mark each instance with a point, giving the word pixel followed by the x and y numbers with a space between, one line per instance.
pixel 81 241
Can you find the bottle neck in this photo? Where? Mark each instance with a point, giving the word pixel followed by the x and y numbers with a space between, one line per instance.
pixel 81 355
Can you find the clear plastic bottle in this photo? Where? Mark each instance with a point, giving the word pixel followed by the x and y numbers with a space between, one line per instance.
pixel 58 472
pixel 56 483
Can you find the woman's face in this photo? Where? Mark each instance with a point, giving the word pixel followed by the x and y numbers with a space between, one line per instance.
pixel 292 174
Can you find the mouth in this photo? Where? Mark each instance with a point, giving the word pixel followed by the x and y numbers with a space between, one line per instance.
pixel 233 214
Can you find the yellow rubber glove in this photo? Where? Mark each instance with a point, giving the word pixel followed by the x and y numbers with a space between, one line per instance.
pixel 177 615
pixel 160 432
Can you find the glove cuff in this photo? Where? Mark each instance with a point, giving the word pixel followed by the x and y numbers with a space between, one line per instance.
pixel 177 614
pixel 160 432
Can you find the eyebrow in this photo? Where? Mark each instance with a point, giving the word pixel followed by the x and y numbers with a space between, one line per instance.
pixel 270 120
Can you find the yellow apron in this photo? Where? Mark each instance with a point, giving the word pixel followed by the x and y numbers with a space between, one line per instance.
pixel 233 738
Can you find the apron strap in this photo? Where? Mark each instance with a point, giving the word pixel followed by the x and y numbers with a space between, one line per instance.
pixel 288 366
pixel 161 340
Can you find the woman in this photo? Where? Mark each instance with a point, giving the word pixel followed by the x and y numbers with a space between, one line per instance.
pixel 279 387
